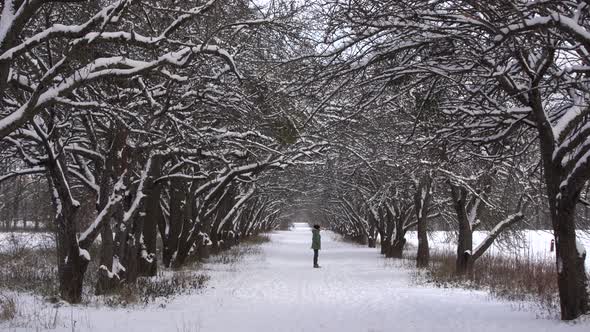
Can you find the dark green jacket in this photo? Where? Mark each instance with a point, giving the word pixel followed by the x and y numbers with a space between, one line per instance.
pixel 316 240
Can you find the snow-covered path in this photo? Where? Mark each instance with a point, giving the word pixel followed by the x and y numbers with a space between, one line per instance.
pixel 355 291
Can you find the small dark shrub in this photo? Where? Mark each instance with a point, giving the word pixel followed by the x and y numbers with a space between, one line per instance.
pixel 123 296
pixel 150 289
pixel 7 308
pixel 181 283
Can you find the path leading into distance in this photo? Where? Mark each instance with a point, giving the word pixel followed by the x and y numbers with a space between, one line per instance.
pixel 356 290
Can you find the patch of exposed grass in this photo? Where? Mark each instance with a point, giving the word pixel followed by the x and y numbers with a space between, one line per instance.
pixel 29 270
pixel 34 270
pixel 161 288
pixel 514 278
pixel 7 308
pixel 235 254
pixel 257 239
pixel 247 247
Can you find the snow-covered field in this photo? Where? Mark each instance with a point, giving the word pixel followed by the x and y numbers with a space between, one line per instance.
pixel 11 241
pixel 535 244
pixel 356 290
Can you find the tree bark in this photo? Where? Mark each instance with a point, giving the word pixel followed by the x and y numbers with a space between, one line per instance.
pixel 176 220
pixel 398 241
pixel 397 248
pixel 421 203
pixel 571 278
pixel 465 235
pixel 384 242
pixel 105 282
pixel 71 266
pixel 571 275
pixel 153 214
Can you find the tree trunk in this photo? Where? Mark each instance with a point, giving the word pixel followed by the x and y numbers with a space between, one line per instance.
pixel 563 196
pixel 153 214
pixel 71 261
pixel 133 247
pixel 371 239
pixel 384 243
pixel 572 280
pixel 421 202
pixel 397 248
pixel 398 240
pixel 465 236
pixel 71 265
pixel 106 282
pixel 71 278
pixel 177 197
pixel 187 236
pixel 184 249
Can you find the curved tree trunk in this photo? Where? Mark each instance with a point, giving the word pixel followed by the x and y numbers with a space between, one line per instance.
pixel 465 235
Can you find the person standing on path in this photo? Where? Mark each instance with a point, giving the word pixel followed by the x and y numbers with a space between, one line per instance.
pixel 316 244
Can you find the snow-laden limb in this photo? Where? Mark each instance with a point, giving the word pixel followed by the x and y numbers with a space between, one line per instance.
pixel 88 182
pixel 84 254
pixel 570 118
pixel 105 15
pixel 116 268
pixel 495 232
pixel 29 159
pixel 6 19
pixel 32 170
pixel 139 195
pixel 52 85
pixel 580 249
pixel 568 145
pixel 464 182
pixel 555 19
pixel 87 153
pixel 117 66
pixel 87 237
pixel 234 208
pixel 108 273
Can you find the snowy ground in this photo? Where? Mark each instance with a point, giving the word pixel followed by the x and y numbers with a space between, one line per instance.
pixel 356 290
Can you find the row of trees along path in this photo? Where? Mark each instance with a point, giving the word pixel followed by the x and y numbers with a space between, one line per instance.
pixel 206 122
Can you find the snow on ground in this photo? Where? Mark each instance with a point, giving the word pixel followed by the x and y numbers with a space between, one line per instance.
pixel 535 245
pixel 356 290
pixel 14 241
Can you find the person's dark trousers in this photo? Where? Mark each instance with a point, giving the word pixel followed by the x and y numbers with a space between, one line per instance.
pixel 315 257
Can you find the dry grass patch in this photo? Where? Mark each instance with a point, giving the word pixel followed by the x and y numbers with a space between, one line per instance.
pixel 29 270
pixel 257 239
pixel 7 308
pixel 235 254
pixel 161 288
pixel 515 278
pixel 247 247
